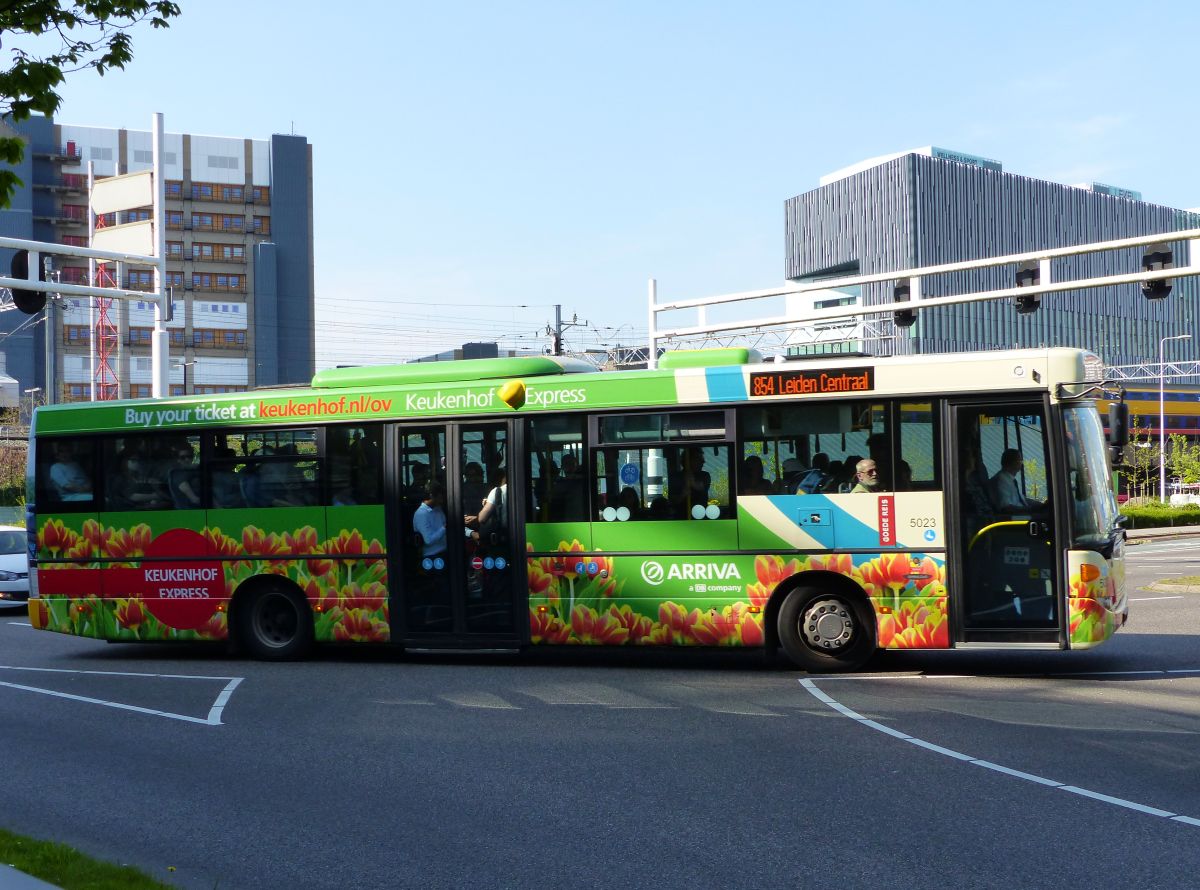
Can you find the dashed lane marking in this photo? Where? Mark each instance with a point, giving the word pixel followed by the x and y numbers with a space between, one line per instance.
pixel 986 764
pixel 213 717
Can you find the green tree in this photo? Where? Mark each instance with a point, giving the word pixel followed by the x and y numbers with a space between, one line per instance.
pixel 1139 462
pixel 1183 459
pixel 82 34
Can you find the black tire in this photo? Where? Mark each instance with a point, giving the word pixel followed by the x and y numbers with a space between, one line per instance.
pixel 824 631
pixel 275 624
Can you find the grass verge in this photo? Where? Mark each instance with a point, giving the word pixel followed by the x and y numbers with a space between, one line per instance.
pixel 68 868
pixel 1182 581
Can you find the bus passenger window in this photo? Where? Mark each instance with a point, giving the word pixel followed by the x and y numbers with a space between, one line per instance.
pixel 355 460
pixel 669 482
pixel 66 473
pixel 558 489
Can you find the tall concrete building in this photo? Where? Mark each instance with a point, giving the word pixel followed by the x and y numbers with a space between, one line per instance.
pixel 239 242
pixel 931 206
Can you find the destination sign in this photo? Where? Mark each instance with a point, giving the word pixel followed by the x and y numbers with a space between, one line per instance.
pixel 810 381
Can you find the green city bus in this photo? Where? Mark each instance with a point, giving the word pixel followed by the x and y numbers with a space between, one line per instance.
pixel 497 504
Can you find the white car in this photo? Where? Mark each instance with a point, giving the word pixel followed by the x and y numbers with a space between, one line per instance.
pixel 14 567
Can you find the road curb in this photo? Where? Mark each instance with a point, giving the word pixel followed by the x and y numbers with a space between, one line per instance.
pixel 12 879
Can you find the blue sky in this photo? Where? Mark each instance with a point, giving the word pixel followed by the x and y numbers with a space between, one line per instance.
pixel 476 163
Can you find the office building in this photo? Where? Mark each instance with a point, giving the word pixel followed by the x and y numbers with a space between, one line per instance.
pixel 239 247
pixel 931 206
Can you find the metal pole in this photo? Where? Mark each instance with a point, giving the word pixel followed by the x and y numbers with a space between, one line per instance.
pixel 558 329
pixel 91 280
pixel 160 345
pixel 1162 416
pixel 652 346
pixel 51 364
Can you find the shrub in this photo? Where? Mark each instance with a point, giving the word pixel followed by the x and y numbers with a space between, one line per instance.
pixel 1157 515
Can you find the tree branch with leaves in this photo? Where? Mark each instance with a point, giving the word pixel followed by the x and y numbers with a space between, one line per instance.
pixel 81 35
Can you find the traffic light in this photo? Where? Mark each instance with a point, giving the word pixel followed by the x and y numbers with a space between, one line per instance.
pixel 30 302
pixel 1029 275
pixel 1157 256
pixel 903 318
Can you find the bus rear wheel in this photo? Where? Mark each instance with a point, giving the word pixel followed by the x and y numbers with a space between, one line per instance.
pixel 275 624
pixel 825 631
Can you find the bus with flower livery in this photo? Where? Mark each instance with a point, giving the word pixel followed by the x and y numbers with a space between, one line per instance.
pixel 826 509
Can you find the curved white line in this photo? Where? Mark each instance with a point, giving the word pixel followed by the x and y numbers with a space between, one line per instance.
pixel 1008 771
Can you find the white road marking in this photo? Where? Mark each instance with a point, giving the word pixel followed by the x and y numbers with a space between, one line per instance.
pixel 1150 599
pixel 214 713
pixel 986 764
pixel 479 700
pixel 20 624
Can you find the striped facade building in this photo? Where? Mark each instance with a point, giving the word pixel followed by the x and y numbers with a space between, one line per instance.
pixel 239 244
pixel 930 206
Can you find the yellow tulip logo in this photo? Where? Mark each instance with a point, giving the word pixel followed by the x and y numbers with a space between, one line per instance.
pixel 512 393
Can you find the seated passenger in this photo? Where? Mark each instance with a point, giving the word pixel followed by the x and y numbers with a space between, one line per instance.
pixel 752 479
pixel 136 488
pixel 68 478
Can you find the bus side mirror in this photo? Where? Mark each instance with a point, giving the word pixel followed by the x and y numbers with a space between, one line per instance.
pixel 1118 425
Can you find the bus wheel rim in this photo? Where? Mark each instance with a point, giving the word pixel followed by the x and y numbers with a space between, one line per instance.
pixel 828 625
pixel 275 620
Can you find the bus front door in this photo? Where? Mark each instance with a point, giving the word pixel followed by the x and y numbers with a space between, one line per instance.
pixel 456 537
pixel 1004 563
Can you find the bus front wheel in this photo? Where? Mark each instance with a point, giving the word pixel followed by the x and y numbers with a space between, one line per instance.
pixel 275 624
pixel 825 631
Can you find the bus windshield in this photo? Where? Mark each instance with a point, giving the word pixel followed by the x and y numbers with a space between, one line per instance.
pixel 1093 507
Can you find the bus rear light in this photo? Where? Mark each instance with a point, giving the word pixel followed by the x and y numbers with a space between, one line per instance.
pixel 884 610
pixel 1088 573
pixel 754 610
pixel 543 608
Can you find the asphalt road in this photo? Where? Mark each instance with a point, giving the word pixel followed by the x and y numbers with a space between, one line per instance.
pixel 605 770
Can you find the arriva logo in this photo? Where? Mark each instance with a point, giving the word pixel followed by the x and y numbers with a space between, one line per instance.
pixel 653 573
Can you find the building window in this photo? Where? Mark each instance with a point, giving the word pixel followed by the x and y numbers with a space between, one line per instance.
pixel 177 389
pixel 96 153
pixel 140 390
pixel 202 251
pixel 174 279
pixel 139 215
pixel 231 192
pixel 202 221
pixel 75 333
pixel 262 225
pixel 173 188
pixel 174 219
pixel 202 191
pixel 77 392
pixel 176 336
pixel 75 240
pixel 232 223
pixel 140 279
pixel 140 336
pixel 261 194
pixel 76 212
pixel 174 250
pixel 224 162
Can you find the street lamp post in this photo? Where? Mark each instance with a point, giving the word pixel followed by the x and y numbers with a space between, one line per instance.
pixel 1162 416
pixel 32 393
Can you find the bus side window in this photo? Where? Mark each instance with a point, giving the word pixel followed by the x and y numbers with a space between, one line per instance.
pixel 66 471
pixel 917 469
pixel 355 461
pixel 557 472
